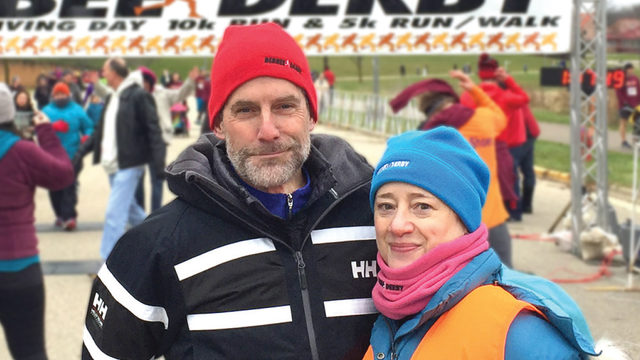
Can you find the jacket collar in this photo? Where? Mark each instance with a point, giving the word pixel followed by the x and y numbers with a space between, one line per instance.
pixel 560 310
pixel 483 269
pixel 7 140
pixel 333 167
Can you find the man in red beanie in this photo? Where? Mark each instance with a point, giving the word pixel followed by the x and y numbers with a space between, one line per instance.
pixel 269 249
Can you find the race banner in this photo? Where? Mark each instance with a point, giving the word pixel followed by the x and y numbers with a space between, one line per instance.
pixel 133 28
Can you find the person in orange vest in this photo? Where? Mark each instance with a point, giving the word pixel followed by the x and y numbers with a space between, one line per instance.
pixel 505 92
pixel 480 126
pixel 441 291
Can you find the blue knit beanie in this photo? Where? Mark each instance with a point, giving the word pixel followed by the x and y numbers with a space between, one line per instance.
pixel 442 162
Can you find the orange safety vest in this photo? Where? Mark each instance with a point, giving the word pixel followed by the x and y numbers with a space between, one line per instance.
pixel 476 328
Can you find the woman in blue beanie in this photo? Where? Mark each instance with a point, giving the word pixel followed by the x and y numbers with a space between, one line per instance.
pixel 441 291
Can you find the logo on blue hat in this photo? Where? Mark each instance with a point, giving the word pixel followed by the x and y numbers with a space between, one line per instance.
pixel 393 164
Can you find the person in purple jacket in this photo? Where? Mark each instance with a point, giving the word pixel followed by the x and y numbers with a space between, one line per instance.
pixel 23 166
pixel 628 98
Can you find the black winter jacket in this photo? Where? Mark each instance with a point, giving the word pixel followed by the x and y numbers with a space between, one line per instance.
pixel 214 275
pixel 138 133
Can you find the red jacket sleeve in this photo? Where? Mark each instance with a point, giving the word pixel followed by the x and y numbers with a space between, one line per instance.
pixel 515 97
pixel 467 100
pixel 48 165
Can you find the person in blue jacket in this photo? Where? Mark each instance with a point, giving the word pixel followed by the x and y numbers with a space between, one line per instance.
pixel 95 108
pixel 72 126
pixel 441 291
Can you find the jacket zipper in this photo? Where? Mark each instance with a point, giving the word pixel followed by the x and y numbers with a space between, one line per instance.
pixel 290 205
pixel 393 355
pixel 306 303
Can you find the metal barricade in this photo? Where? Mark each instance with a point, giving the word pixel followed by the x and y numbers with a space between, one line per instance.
pixel 369 113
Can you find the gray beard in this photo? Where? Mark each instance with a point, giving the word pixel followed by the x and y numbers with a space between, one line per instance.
pixel 270 173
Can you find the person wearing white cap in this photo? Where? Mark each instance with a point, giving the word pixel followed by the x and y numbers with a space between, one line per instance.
pixel 25 165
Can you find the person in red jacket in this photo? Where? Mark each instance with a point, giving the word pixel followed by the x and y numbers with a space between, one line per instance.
pixel 23 166
pixel 505 92
pixel 331 79
pixel 523 157
pixel 628 98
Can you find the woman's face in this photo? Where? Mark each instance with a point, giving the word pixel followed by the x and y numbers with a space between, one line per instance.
pixel 410 221
pixel 22 99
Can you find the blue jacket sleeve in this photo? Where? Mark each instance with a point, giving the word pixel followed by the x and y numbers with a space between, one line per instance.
pixel 86 124
pixel 531 337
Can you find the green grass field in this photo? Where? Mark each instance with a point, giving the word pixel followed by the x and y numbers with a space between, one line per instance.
pixel 346 69
pixel 556 156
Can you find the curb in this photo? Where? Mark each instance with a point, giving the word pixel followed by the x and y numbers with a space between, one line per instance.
pixel 559 176
pixel 617 191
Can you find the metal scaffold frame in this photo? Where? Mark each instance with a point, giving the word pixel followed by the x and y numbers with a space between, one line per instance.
pixel 589 111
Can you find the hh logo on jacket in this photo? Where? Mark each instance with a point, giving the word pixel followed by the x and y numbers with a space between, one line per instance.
pixel 364 269
pixel 98 310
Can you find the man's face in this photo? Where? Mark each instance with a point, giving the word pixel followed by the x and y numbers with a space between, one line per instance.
pixel 108 73
pixel 266 125
pixel 629 71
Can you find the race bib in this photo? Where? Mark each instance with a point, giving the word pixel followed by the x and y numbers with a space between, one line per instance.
pixel 632 91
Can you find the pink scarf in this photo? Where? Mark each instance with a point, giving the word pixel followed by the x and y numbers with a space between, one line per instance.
pixel 406 291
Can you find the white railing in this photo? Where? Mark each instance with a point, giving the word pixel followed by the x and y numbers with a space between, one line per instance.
pixel 357 111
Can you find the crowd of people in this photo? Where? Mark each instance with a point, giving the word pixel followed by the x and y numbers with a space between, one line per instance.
pixel 75 101
pixel 43 145
pixel 282 243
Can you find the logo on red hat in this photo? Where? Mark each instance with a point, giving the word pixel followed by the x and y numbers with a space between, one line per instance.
pixel 283 62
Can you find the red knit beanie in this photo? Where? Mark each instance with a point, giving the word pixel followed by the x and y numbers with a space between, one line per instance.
pixel 250 51
pixel 61 88
pixel 487 67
